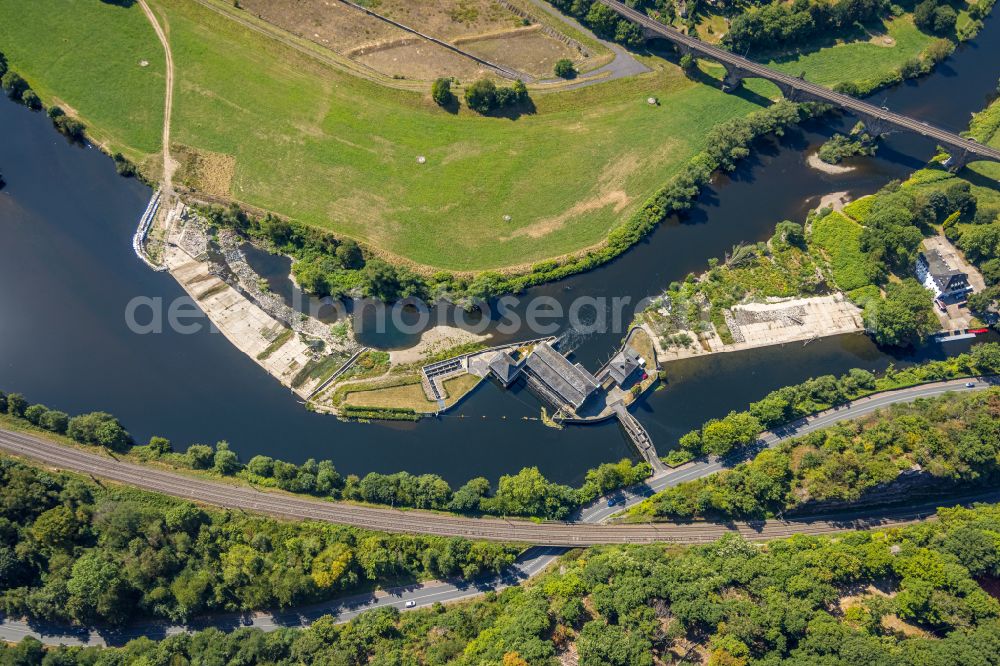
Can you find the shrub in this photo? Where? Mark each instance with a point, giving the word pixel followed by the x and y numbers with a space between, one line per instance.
pixel 200 456
pixel 481 96
pixel 99 428
pixel 564 68
pixel 31 100
pixel 55 421
pixel 16 404
pixel 34 414
pixel 441 92
pixel 13 84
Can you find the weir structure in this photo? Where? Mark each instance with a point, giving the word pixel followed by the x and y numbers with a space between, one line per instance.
pixel 877 120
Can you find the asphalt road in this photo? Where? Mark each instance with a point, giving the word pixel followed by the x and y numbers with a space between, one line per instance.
pixel 584 528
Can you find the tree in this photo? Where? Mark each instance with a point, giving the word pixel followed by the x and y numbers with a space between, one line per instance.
pixel 441 92
pixel 688 64
pixel 55 421
pixel 349 255
pixel 160 446
pixel 34 414
pixel 98 591
pixel 199 456
pixel 903 318
pixel 112 435
pixel 99 428
pixel 331 565
pixel 564 68
pixel 944 19
pixel 31 100
pixel 467 498
pixel 481 96
pixel 13 84
pixel 56 528
pixel 225 461
pixel 789 233
pixel 923 15
pixel 16 405
pixel 603 20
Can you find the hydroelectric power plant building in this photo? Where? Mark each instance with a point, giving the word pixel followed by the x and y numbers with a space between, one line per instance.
pixel 562 383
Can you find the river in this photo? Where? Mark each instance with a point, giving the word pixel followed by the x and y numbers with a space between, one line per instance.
pixel 68 271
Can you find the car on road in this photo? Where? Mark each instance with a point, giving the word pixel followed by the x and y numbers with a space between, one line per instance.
pixel 612 501
pixel 970 384
pixel 411 604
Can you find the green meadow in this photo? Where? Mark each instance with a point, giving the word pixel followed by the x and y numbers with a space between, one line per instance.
pixel 341 153
pixel 86 56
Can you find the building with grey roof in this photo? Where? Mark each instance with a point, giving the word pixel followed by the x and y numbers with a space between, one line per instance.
pixel 938 276
pixel 568 383
pixel 624 365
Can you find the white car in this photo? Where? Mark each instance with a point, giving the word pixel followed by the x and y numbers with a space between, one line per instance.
pixel 411 604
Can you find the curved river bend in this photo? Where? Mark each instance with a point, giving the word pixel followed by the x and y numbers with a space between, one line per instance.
pixel 68 270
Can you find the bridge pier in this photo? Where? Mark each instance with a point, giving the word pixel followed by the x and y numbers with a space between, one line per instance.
pixel 875 127
pixel 956 160
pixel 733 78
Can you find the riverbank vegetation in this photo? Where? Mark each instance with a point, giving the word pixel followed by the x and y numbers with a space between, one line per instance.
pixel 722 436
pixel 580 133
pixel 840 147
pixel 867 251
pixel 905 451
pixel 75 551
pixel 914 596
pixel 527 493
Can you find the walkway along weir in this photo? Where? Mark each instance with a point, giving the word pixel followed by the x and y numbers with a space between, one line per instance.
pixel 877 120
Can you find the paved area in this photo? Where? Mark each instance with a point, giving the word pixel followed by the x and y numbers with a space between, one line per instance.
pixel 764 324
pixel 623 65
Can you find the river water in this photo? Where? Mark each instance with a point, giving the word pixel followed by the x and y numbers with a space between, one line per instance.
pixel 68 272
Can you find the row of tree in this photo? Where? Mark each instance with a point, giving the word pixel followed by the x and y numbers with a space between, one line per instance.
pixel 527 493
pixel 906 597
pixel 95 428
pixel 721 436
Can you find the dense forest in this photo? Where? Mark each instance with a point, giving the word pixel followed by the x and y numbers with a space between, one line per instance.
pixel 77 552
pixel 914 596
pixel 933 444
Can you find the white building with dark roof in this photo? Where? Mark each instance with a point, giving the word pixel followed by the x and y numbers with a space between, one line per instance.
pixel 937 275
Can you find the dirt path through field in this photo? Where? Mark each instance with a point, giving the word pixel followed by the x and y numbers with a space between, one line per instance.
pixel 169 165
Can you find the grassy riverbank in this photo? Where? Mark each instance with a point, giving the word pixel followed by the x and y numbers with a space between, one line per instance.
pixel 278 130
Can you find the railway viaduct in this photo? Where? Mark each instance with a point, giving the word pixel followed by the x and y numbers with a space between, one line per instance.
pixel 877 120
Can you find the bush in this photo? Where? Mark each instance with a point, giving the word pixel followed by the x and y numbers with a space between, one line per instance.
pixel 14 85
pixel 564 68
pixel 16 405
pixel 123 166
pixel 944 19
pixel 100 429
pixel 55 421
pixel 481 96
pixel 200 456
pixel 31 100
pixel 441 92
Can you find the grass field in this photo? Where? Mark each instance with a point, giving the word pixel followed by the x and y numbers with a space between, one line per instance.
pixel 858 61
pixel 340 153
pixel 85 56
pixel 838 237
